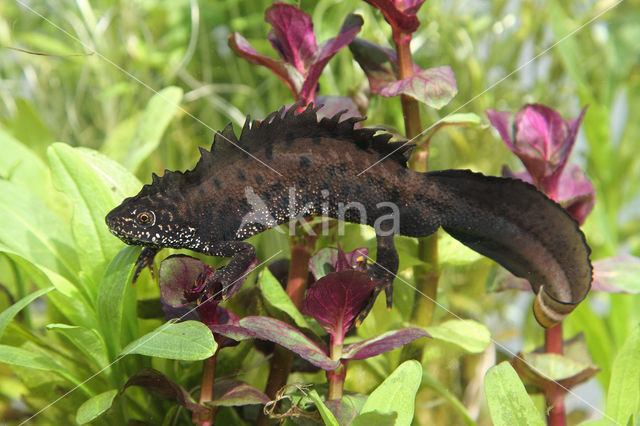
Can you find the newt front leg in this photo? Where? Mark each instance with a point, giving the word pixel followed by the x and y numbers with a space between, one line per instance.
pixel 232 275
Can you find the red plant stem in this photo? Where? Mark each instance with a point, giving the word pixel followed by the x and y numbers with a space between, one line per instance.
pixel 336 377
pixel 206 391
pixel 296 286
pixel 426 275
pixel 553 394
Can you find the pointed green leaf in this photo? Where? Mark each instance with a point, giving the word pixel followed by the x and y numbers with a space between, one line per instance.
pixel 509 403
pixel 469 335
pixel 7 315
pixel 187 341
pixel 93 192
pixel 396 395
pixel 95 406
pixel 623 398
pixel 88 341
pixel 151 126
pixel 111 294
pixel 32 232
pixel 24 358
pixel 327 416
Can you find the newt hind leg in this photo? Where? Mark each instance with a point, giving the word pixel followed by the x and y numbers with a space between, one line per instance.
pixel 384 271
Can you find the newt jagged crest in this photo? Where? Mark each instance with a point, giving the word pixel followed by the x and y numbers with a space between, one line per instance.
pixel 291 166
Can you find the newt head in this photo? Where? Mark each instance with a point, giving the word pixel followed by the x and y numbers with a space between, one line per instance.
pixel 143 221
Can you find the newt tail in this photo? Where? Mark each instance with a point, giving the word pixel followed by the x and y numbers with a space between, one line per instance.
pixel 315 168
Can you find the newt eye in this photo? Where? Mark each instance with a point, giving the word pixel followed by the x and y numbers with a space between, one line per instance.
pixel 146 218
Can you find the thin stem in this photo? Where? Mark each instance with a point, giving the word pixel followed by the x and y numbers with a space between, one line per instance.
pixel 301 249
pixel 336 377
pixel 206 391
pixel 426 275
pixel 554 396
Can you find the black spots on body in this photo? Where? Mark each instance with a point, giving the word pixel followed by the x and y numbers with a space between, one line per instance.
pixel 268 151
pixel 241 175
pixel 316 140
pixel 305 162
pixel 288 138
pixel 401 172
pixel 395 194
pixel 276 188
pixel 216 183
pixel 303 182
pixel 337 170
pixel 259 179
pixel 418 197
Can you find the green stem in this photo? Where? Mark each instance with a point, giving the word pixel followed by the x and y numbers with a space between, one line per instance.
pixel 336 377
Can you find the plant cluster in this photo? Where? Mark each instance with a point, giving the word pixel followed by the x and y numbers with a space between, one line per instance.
pixel 283 343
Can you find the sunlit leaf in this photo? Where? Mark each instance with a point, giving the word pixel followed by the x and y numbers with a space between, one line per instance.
pixel 95 406
pixel 7 315
pixel 623 398
pixel 187 341
pixel 434 87
pixel 155 119
pixel 509 403
pixel 86 340
pixel 467 334
pixel 395 395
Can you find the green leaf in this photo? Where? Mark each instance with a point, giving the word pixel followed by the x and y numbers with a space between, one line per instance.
pixel 32 232
pixel 452 252
pixel 94 184
pixel 396 395
pixel 469 335
pixel 87 340
pixel 7 315
pixel 509 403
pixel 277 298
pixel 152 124
pixel 187 341
pixel 25 358
pixel 95 406
pixel 20 165
pixel 111 294
pixel 28 127
pixel 623 398
pixel 325 413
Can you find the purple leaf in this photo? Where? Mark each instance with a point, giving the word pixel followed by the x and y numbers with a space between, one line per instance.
pixel 325 261
pixel 336 299
pixel 574 192
pixel 292 35
pixel 178 274
pixel 541 139
pixel 434 87
pixel 329 48
pixel 331 105
pixel 378 63
pixel 286 72
pixel 285 335
pixel 618 274
pixel 400 14
pixel 227 393
pixel 229 326
pixel 162 387
pixel 383 343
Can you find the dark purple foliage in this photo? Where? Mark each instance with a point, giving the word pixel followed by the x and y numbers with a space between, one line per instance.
pixel 160 386
pixel 542 140
pixel 292 37
pixel 227 392
pixel 434 87
pixel 336 299
pixel 331 259
pixel 400 14
pixel 382 343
